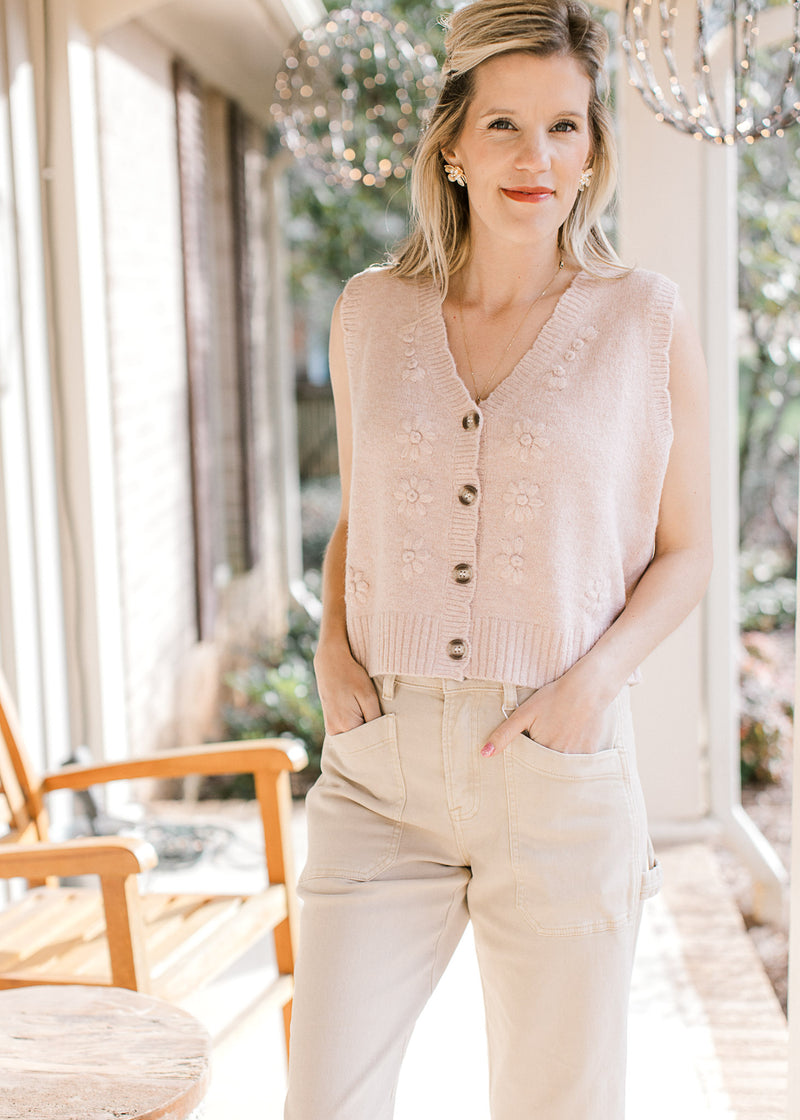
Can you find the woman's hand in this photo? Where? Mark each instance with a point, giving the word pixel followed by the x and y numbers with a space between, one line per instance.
pixel 570 715
pixel 346 690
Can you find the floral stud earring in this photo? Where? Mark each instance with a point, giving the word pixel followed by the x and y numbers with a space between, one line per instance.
pixel 455 174
pixel 585 179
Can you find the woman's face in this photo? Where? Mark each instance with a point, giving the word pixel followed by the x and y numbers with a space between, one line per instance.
pixel 523 146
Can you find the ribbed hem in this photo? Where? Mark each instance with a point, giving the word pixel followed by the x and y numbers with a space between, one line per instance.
pixel 497 649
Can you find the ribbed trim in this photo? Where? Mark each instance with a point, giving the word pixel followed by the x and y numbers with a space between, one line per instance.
pixel 352 309
pixel 500 650
pixel 439 359
pixel 553 338
pixel 556 333
pixel 660 315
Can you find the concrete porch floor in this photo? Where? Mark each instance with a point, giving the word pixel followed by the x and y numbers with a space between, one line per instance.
pixel 708 1039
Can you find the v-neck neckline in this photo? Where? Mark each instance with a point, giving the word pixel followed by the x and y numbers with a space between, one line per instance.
pixel 555 329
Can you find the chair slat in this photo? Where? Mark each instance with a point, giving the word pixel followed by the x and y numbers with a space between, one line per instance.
pixel 182 919
pixel 46 914
pixel 61 920
pixel 188 971
pixel 189 938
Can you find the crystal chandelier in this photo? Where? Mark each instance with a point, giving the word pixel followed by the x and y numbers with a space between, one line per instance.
pixel 723 102
pixel 352 97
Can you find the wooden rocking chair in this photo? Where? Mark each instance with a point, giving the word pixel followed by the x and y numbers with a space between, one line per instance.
pixel 164 945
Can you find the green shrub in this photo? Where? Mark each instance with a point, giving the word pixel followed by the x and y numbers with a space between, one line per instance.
pixel 275 695
pixel 765 715
pixel 767 590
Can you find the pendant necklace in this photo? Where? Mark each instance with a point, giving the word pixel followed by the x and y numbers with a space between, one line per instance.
pixel 480 397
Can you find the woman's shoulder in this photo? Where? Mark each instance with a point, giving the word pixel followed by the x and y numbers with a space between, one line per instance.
pixel 635 290
pixel 629 280
pixel 380 279
pixel 380 291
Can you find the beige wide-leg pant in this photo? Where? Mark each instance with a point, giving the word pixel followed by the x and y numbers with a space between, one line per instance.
pixel 411 834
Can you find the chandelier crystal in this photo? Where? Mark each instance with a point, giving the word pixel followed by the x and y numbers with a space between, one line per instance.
pixel 352 97
pixel 732 93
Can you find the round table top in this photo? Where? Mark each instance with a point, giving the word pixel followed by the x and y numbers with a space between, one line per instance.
pixel 69 1052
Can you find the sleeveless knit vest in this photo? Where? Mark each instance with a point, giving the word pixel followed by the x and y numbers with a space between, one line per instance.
pixel 499 542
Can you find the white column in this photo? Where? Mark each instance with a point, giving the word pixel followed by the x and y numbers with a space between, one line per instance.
pixel 73 213
pixel 678 215
pixel 280 323
pixel 33 653
pixel 18 602
pixel 794 925
pixel 722 599
pixel 661 219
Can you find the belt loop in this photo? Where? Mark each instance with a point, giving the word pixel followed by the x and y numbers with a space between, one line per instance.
pixel 509 698
pixel 387 691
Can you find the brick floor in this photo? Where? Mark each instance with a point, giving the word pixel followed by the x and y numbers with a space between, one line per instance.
pixel 746 1022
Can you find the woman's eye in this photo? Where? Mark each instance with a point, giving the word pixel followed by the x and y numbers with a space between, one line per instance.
pixel 501 124
pixel 565 126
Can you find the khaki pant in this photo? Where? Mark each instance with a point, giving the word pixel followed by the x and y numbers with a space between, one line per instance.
pixel 411 834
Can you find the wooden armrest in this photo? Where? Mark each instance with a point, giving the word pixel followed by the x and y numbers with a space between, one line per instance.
pixel 240 757
pixel 95 855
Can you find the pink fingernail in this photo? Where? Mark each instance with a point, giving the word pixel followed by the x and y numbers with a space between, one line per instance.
pixel 488 750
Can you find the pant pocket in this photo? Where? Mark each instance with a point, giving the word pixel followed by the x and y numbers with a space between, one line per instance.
pixel 652 876
pixel 574 838
pixel 355 810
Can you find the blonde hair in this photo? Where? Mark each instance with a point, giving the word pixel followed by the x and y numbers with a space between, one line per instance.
pixel 439 244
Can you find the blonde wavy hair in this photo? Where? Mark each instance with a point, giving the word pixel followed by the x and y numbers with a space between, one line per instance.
pixel 439 244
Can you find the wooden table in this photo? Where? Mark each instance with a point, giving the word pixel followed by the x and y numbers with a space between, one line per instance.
pixel 89 1053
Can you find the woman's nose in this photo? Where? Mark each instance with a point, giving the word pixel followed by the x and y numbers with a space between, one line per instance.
pixel 533 153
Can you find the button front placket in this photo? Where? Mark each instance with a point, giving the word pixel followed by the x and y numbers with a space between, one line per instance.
pixel 461 546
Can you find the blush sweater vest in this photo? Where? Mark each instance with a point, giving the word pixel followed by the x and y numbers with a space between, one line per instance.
pixel 499 542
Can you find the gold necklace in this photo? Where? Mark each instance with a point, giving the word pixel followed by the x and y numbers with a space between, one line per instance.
pixel 479 397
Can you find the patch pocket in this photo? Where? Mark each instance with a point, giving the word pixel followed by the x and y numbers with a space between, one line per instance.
pixel 574 838
pixel 355 810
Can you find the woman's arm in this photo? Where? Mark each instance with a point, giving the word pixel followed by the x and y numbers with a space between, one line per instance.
pixel 346 691
pixel 568 713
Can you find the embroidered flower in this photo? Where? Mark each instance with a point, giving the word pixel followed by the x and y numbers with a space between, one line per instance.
pixel 557 378
pixel 521 500
pixel 596 596
pixel 413 494
pixel 510 562
pixel 357 586
pixel 578 344
pixel 528 439
pixel 412 370
pixel 416 440
pixel 414 556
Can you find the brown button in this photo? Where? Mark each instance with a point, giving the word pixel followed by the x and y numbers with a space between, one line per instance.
pixel 457 649
pixel 467 495
pixel 462 573
pixel 471 421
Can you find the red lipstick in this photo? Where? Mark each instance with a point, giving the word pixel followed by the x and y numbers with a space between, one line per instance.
pixel 528 194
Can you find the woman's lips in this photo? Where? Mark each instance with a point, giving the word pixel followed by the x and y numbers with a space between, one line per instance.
pixel 528 194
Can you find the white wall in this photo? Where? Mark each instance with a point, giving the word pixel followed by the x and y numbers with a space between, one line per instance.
pixel 138 147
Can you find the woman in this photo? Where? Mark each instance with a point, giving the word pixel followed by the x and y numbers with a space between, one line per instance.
pixel 522 441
